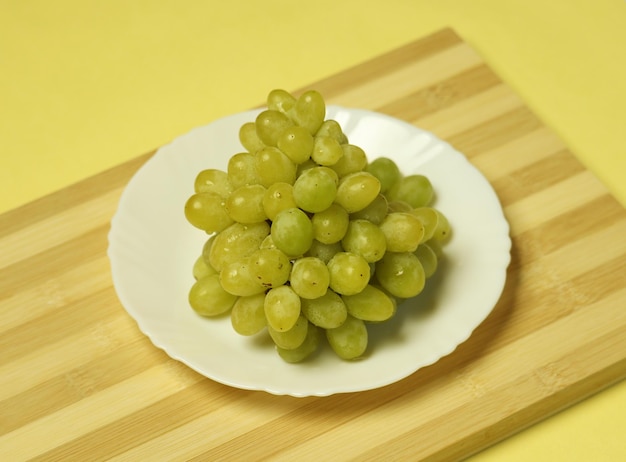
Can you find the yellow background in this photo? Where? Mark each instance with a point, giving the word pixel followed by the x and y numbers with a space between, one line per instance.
pixel 86 85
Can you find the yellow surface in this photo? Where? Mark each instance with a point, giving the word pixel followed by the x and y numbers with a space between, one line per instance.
pixel 88 85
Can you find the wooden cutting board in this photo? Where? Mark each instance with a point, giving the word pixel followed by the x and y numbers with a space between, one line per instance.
pixel 78 381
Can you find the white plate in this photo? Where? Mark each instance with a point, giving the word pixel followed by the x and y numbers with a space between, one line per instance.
pixel 152 249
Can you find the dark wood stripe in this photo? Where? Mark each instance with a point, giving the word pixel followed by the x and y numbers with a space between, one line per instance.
pixel 71 196
pixel 383 65
pixel 495 132
pixel 442 94
pixel 82 381
pixel 536 177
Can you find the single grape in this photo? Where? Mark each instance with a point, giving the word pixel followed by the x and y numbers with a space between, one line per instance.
pixel 236 242
pixel 241 170
pixel 272 166
pixel 296 143
pixel 401 274
pixel 403 232
pixel 332 129
pixel 348 341
pixel 245 204
pixel 330 225
pixel 201 269
pixel 280 100
pixel 236 278
pixel 306 349
pixel 309 277
pixel 315 190
pixel 416 190
pixel 282 308
pixel 270 267
pixel 357 190
pixel 326 150
pixel 291 338
pixel 387 172
pixel 292 232
pixel 442 230
pixel 375 212
pixel 349 273
pixel 353 160
pixel 208 298
pixel 309 111
pixel 429 218
pixel 213 180
pixel 249 138
pixel 278 197
pixel 248 314
pixel 399 206
pixel 365 239
pixel 207 211
pixel 427 258
pixel 324 251
pixel 328 311
pixel 270 124
pixel 371 304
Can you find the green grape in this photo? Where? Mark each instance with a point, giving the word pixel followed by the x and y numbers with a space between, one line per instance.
pixel 427 258
pixel 292 232
pixel 213 180
pixel 267 243
pixel 443 230
pixel 208 298
pixel 332 129
pixel 292 338
pixel 272 166
pixel 282 308
pixel 304 166
pixel 366 239
pixel 401 274
pixel 306 349
pixel 296 143
pixel 416 190
pixel 399 206
pixel 280 100
pixel 375 212
pixel 309 111
pixel 357 190
pixel 324 251
pixel 371 304
pixel 249 138
pixel 314 190
pixel 326 150
pixel 207 211
pixel 330 225
pixel 403 232
pixel 309 277
pixel 206 249
pixel 270 124
pixel 349 273
pixel 270 267
pixel 348 341
pixel 236 242
pixel 241 170
pixel 429 218
pixel 245 204
pixel 248 314
pixel 386 171
pixel 353 160
pixel 236 278
pixel 328 311
pixel 278 197
pixel 201 269
pixel 436 246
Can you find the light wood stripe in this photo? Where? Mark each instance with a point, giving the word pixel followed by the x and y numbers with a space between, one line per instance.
pixel 78 380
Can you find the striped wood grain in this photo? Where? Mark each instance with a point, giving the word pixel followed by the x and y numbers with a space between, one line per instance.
pixel 78 381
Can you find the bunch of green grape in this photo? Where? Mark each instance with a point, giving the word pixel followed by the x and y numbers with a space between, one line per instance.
pixel 307 238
